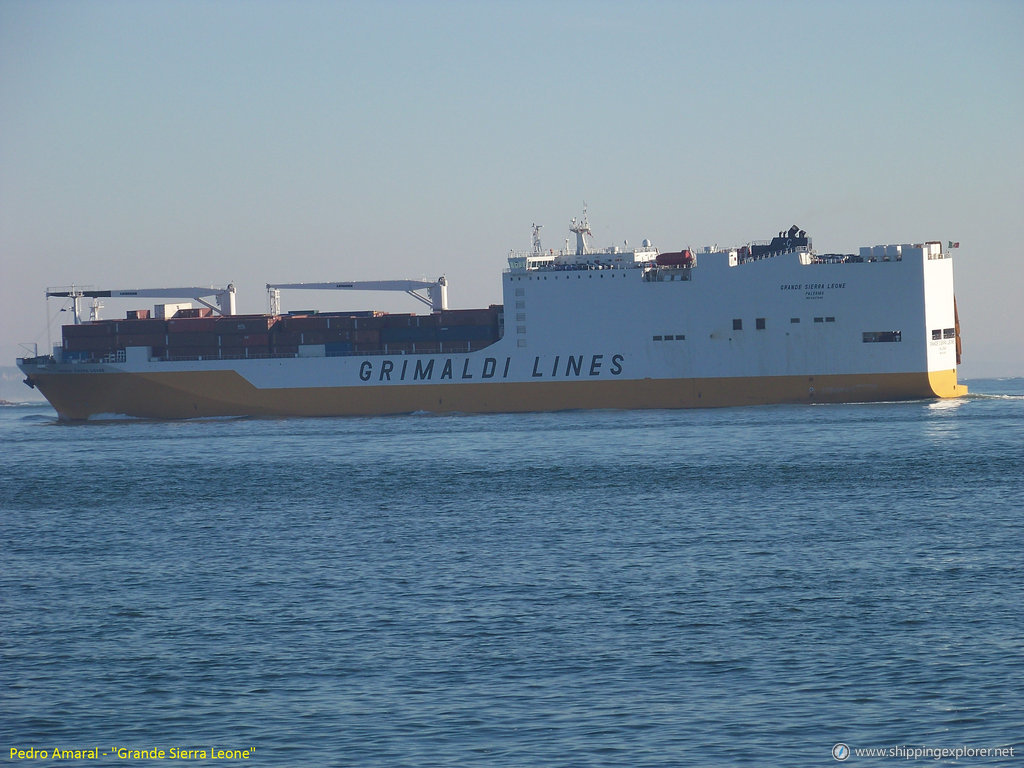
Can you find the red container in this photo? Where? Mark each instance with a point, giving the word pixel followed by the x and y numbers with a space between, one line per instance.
pixel 244 324
pixel 140 340
pixel 256 340
pixel 90 344
pixel 137 314
pixel 361 337
pixel 399 321
pixel 279 336
pixel 369 323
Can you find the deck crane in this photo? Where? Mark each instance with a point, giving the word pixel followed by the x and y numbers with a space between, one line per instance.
pixel 436 298
pixel 225 297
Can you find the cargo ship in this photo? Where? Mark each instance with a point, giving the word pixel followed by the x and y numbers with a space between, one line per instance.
pixel 622 328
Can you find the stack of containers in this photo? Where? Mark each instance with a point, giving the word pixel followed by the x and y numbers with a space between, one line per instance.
pixel 88 340
pixel 191 337
pixel 330 334
pixel 466 330
pixel 144 332
pixel 409 333
pixel 244 335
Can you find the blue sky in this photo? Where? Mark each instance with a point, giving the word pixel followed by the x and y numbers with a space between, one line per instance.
pixel 150 144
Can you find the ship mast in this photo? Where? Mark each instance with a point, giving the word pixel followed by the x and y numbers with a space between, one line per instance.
pixel 581 229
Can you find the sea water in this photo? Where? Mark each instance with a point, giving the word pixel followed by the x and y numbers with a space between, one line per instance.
pixel 613 588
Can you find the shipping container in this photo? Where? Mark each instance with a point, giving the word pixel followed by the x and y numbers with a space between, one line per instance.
pixel 468 316
pixel 193 312
pixel 365 337
pixel 468 333
pixel 101 328
pixel 137 314
pixel 375 322
pixel 298 324
pixel 153 325
pixel 326 336
pixel 191 340
pixel 192 325
pixel 255 340
pixel 167 311
pixel 408 333
pixel 400 321
pixel 338 348
pixel 140 340
pixel 279 336
pixel 244 324
pixel 90 343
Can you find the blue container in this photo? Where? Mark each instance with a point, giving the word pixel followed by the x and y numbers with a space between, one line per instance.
pixel 337 348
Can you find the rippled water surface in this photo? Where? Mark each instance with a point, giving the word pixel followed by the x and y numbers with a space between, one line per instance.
pixel 718 587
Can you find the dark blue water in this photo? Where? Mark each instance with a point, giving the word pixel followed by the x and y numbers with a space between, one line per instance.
pixel 719 587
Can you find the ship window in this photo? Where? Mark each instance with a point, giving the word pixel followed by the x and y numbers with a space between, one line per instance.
pixel 794 319
pixel 830 319
pixel 520 316
pixel 936 334
pixel 878 336
pixel 520 329
pixel 819 319
pixel 520 305
pixel 520 291
pixel 656 338
pixel 759 323
pixel 521 343
pixel 680 337
pixel 737 324
pixel 949 333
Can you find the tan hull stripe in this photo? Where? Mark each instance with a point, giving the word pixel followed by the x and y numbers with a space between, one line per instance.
pixel 225 393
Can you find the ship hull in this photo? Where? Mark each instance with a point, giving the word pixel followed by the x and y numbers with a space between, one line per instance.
pixel 721 331
pixel 198 394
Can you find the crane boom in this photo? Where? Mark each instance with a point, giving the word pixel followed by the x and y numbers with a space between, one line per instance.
pixel 436 298
pixel 225 297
